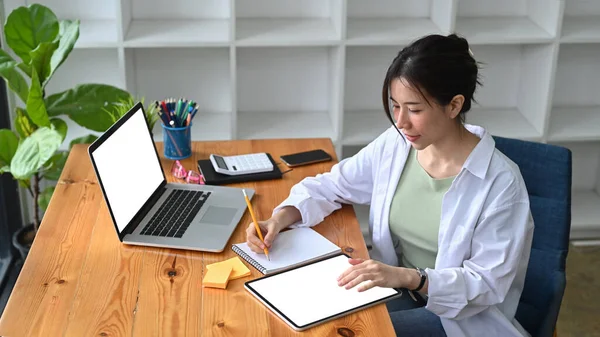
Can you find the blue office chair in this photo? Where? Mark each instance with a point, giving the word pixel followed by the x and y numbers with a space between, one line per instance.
pixel 546 170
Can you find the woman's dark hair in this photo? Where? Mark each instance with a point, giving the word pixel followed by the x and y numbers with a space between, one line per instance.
pixel 441 66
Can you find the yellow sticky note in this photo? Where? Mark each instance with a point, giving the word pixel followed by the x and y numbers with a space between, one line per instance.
pixel 217 277
pixel 239 268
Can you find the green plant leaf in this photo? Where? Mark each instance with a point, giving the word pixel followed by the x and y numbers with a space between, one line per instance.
pixel 40 59
pixel 151 115
pixel 9 142
pixel 84 104
pixel 25 68
pixel 54 166
pixel 83 140
pixel 25 183
pixel 69 33
pixel 120 108
pixel 36 109
pixel 34 151
pixel 60 126
pixel 27 27
pixel 45 197
pixel 23 124
pixel 15 80
pixel 4 169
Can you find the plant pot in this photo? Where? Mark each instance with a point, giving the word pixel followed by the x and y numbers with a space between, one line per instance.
pixel 23 239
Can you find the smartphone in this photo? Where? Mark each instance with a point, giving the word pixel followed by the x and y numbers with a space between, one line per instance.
pixel 305 158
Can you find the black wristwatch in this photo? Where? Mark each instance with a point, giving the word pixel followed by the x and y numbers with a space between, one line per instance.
pixel 423 276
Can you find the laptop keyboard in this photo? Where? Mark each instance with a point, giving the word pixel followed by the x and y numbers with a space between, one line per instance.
pixel 176 213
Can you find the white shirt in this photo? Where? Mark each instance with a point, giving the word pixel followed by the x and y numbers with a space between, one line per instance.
pixel 485 235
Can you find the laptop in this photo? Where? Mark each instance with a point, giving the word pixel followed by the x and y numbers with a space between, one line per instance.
pixel 146 210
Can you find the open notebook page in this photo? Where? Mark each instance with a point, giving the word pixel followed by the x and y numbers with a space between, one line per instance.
pixel 290 248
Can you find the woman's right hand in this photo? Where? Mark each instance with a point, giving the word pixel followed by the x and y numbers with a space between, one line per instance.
pixel 269 228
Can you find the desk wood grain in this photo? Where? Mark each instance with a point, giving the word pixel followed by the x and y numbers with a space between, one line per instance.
pixel 79 280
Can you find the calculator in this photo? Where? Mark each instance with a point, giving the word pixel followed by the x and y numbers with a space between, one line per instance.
pixel 241 164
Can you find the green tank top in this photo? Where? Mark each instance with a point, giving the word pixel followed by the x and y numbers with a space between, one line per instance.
pixel 415 214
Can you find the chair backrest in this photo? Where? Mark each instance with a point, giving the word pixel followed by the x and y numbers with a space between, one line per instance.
pixel 546 170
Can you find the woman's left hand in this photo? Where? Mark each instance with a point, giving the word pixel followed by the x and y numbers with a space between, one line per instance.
pixel 377 273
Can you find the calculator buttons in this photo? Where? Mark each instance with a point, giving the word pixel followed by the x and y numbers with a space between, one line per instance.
pixel 247 164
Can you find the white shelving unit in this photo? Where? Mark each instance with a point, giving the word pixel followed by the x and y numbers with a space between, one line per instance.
pixel 576 104
pixel 274 97
pixel 267 23
pixel 364 117
pixel 314 68
pixel 98 27
pixel 208 82
pixel 508 21
pixel 176 23
pixel 393 22
pixel 586 188
pixel 516 84
pixel 580 23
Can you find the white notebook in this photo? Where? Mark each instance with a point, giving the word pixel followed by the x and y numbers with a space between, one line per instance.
pixel 291 248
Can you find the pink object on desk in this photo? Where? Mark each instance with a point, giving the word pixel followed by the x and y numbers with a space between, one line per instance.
pixel 191 176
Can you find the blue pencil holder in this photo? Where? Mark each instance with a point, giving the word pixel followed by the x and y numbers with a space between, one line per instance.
pixel 177 142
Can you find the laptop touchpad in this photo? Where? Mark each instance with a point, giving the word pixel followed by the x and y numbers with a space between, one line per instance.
pixel 218 215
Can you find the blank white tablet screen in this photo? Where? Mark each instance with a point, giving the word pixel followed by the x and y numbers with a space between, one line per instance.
pixel 311 293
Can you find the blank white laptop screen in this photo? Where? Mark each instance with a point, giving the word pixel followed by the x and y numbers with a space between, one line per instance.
pixel 129 168
pixel 310 295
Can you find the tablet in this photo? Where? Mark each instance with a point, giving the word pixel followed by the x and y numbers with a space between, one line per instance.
pixel 309 295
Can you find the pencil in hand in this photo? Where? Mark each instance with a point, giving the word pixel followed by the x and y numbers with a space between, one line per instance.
pixel 256 226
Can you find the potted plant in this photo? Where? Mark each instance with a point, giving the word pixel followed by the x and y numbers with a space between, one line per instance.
pixel 124 105
pixel 41 43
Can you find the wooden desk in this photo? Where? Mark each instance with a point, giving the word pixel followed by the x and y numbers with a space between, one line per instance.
pixel 79 280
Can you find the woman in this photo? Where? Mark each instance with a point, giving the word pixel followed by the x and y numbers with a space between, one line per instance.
pixel 450 217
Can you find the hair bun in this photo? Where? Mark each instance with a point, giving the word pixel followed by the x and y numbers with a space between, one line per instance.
pixel 462 41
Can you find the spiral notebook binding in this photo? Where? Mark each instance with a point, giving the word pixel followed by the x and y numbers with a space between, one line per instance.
pixel 249 259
